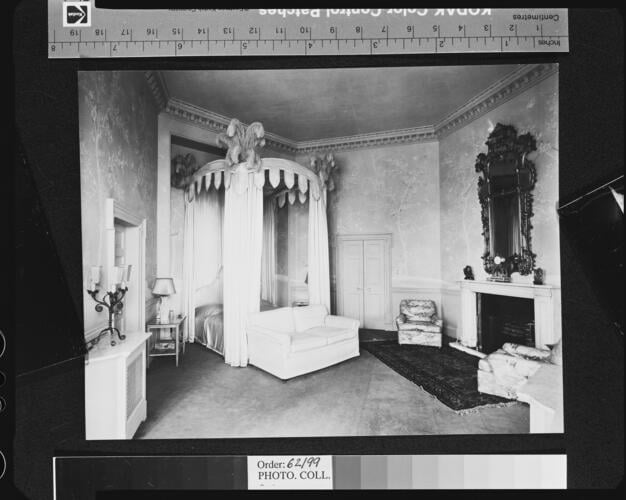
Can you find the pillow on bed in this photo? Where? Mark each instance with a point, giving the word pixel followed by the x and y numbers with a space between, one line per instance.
pixel 208 310
pixel 209 294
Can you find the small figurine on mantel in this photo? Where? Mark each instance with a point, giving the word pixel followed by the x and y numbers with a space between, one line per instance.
pixel 468 272
pixel 538 276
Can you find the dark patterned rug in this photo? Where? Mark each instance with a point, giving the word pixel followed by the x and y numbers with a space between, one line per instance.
pixel 447 373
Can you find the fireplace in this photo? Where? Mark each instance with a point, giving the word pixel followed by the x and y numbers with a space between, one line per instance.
pixel 501 318
pixel 545 304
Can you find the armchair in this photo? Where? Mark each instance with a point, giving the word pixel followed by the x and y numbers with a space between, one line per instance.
pixel 418 323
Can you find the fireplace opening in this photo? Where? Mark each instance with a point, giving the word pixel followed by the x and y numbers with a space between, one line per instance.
pixel 504 319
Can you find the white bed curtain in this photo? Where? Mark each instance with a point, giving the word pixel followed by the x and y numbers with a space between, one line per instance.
pixel 208 217
pixel 243 244
pixel 202 251
pixel 319 269
pixel 268 265
pixel 189 287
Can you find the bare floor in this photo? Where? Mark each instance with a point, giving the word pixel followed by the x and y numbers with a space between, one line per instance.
pixel 205 398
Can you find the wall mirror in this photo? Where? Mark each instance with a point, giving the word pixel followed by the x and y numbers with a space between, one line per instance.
pixel 505 186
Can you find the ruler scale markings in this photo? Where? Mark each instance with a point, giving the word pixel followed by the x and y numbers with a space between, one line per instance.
pixel 523 31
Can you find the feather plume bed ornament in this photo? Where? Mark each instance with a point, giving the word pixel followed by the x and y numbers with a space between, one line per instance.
pixel 324 166
pixel 183 168
pixel 243 143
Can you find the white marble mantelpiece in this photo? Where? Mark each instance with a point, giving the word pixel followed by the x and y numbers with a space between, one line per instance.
pixel 547 307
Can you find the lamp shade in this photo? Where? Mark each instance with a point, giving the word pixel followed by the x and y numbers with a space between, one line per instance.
pixel 163 286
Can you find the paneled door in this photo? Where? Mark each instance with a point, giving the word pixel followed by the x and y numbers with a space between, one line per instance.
pixel 350 301
pixel 363 279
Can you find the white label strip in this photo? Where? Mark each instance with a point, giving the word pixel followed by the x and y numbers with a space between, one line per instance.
pixel 79 29
pixel 296 472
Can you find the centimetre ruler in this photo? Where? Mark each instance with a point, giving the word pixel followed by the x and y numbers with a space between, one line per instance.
pixel 80 29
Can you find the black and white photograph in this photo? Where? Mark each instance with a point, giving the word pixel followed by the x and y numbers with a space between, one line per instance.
pixel 312 249
pixel 321 252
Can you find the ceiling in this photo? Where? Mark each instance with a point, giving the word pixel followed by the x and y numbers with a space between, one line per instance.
pixel 310 104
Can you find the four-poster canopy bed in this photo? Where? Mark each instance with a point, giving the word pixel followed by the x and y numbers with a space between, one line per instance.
pixel 243 175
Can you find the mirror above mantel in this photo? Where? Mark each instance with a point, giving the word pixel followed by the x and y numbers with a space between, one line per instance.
pixel 507 178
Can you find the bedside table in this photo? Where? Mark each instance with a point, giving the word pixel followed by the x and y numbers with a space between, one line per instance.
pixel 168 344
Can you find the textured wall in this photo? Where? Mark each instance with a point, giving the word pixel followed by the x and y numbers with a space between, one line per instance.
pixel 393 189
pixel 118 155
pixel 534 111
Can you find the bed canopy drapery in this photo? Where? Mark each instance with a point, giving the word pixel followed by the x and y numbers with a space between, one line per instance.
pixel 243 175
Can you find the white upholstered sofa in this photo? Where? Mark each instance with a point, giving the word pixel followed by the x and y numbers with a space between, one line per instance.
pixel 292 341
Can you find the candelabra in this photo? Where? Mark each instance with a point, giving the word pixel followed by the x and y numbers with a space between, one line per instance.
pixel 112 300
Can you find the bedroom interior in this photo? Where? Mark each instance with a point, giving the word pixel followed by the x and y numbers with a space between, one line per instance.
pixel 355 251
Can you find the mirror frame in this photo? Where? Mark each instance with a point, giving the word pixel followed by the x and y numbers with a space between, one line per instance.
pixel 502 144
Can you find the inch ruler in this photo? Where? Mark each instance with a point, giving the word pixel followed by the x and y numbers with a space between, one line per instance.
pixel 80 29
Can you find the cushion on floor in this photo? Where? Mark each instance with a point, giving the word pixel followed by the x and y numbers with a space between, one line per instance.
pixel 522 351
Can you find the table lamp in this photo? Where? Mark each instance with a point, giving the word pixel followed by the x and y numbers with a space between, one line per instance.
pixel 162 287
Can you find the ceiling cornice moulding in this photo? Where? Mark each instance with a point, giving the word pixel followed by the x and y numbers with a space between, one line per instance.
pixel 493 96
pixel 496 94
pixel 374 139
pixel 156 82
pixel 219 123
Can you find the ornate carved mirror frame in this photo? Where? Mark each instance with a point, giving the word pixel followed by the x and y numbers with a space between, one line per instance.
pixel 507 173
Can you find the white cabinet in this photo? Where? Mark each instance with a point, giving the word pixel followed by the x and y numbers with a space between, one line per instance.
pixel 115 388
